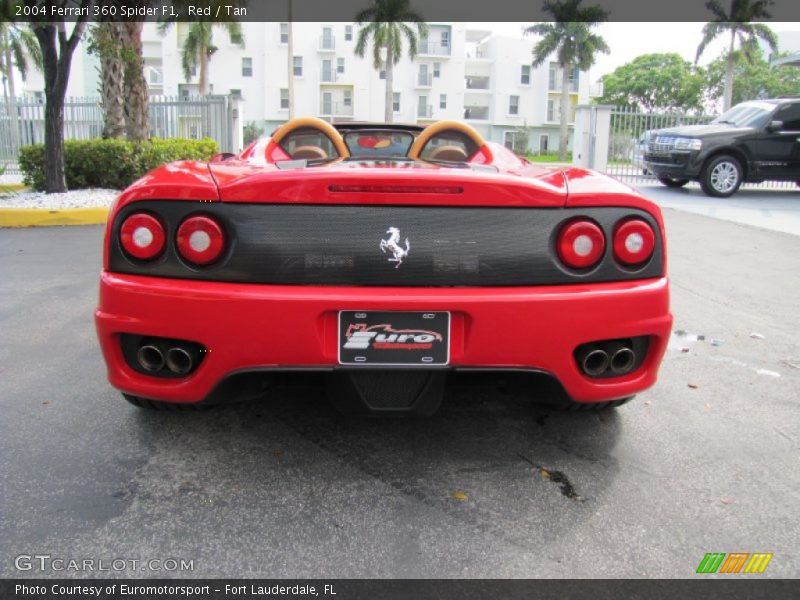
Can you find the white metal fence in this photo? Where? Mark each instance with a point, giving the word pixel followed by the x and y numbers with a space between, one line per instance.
pixel 22 121
pixel 628 138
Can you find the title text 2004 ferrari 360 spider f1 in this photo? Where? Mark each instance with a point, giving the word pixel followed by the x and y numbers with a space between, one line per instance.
pixel 385 256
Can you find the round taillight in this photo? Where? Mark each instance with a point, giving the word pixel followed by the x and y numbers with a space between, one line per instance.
pixel 581 244
pixel 142 236
pixel 200 240
pixel 634 242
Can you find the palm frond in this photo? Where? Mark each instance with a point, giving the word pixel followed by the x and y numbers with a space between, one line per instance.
pixel 710 32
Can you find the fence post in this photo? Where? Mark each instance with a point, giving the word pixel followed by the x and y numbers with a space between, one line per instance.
pixel 581 141
pixel 600 136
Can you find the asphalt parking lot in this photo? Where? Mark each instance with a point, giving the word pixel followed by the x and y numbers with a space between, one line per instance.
pixel 492 486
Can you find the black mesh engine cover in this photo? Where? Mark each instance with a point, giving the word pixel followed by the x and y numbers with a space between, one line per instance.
pixel 341 245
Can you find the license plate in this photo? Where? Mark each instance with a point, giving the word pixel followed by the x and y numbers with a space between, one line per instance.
pixel 391 338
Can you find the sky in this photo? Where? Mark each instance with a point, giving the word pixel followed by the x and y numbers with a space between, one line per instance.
pixel 629 40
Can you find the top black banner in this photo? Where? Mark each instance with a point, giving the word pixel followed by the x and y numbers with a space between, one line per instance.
pixel 345 10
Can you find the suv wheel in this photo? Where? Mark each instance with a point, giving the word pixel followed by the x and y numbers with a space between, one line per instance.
pixel 673 183
pixel 721 176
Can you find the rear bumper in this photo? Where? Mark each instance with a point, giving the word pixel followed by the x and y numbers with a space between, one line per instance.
pixel 250 327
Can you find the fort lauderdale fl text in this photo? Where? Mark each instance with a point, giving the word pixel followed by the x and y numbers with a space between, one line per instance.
pixel 125 11
pixel 186 591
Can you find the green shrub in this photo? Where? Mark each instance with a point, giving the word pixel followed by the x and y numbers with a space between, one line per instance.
pixel 111 163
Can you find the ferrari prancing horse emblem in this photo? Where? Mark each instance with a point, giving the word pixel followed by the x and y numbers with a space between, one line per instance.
pixel 393 244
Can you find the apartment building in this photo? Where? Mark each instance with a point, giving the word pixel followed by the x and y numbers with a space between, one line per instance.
pixel 459 73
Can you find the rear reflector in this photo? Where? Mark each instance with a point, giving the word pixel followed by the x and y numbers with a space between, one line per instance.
pixel 396 189
pixel 200 240
pixel 634 242
pixel 581 244
pixel 142 236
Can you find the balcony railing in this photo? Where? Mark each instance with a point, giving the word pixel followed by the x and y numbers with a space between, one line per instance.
pixel 477 83
pixel 336 109
pixel 425 111
pixel 476 113
pixel 424 81
pixel 327 43
pixel 328 75
pixel 433 48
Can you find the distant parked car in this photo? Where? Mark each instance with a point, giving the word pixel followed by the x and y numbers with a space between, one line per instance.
pixel 752 142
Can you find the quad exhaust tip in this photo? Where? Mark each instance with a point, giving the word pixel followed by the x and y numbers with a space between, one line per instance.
pixel 622 361
pixel 165 357
pixel 179 361
pixel 150 357
pixel 595 362
pixel 610 358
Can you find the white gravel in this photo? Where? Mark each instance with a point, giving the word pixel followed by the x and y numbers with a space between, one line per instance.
pixel 89 198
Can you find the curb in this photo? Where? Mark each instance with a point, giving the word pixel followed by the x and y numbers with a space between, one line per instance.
pixel 42 217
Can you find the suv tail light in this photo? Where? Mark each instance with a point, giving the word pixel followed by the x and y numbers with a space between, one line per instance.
pixel 201 240
pixel 634 242
pixel 581 244
pixel 142 236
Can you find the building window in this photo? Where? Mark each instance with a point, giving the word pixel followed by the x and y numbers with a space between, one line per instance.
pixel 508 140
pixel 551 111
pixel 340 65
pixel 525 75
pixel 348 33
pixel 236 93
pixel 445 39
pixel 298 66
pixel 348 98
pixel 553 77
pixel 513 105
pixel 284 33
pixel 247 67
pixel 437 68
pixel 396 101
pixel 442 100
pixel 382 74
pixel 284 98
pixel 543 144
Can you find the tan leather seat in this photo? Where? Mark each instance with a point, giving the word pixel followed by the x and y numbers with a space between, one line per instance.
pixel 309 153
pixel 448 154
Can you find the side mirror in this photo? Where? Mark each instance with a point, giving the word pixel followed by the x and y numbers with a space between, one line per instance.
pixel 774 126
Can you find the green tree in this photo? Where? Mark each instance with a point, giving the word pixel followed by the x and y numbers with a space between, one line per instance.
pixel 752 79
pixel 387 25
pixel 198 47
pixel 738 24
pixel 18 49
pixel 655 82
pixel 57 43
pixel 105 40
pixel 570 37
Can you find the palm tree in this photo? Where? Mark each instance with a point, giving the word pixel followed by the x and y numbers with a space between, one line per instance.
pixel 387 26
pixel 738 22
pixel 18 49
pixel 198 47
pixel 570 37
pixel 106 41
pixel 137 111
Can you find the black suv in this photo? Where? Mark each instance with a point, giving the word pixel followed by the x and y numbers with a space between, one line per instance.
pixel 752 142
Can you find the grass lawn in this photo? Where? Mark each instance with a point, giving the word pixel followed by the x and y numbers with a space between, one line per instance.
pixel 548 158
pixel 10 188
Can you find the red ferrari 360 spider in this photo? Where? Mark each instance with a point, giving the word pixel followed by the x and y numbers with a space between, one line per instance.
pixel 385 256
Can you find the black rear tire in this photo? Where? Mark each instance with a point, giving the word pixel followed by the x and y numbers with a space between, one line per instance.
pixel 593 406
pixel 673 183
pixel 721 176
pixel 156 405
